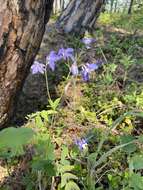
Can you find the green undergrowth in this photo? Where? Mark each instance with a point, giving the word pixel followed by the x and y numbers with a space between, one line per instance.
pixel 132 22
pixel 105 115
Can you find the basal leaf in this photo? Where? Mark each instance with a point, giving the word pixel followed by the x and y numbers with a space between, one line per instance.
pixel 131 147
pixel 136 181
pixel 13 139
pixel 44 165
pixel 66 178
pixel 137 162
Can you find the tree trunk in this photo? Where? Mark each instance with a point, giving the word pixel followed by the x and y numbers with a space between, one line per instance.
pixel 111 6
pixel 125 7
pixel 116 4
pixel 130 7
pixel 80 15
pixel 22 25
pixel 55 7
pixel 62 2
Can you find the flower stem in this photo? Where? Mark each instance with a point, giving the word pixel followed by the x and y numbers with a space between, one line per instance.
pixel 74 93
pixel 47 85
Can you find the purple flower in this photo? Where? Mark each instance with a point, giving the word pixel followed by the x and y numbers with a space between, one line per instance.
pixel 66 53
pixel 91 67
pixel 82 143
pixel 88 41
pixel 37 67
pixel 85 74
pixel 51 59
pixel 87 69
pixel 74 69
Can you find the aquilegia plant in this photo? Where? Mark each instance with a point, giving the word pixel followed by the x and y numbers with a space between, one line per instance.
pixel 67 55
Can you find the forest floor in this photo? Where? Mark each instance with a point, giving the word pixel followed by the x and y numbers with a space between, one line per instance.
pixel 33 97
pixel 114 89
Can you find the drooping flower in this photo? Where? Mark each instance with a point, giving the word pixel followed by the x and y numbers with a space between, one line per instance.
pixel 88 42
pixel 91 67
pixel 87 69
pixel 51 60
pixel 37 67
pixel 85 74
pixel 66 53
pixel 74 69
pixel 81 143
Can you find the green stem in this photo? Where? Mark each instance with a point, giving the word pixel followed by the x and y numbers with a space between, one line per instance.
pixel 39 180
pixel 64 89
pixel 107 154
pixel 47 85
pixel 125 78
pixel 74 92
pixel 113 126
pixel 103 54
pixel 53 116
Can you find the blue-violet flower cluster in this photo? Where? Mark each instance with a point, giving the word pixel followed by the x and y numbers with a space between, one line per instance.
pixel 67 54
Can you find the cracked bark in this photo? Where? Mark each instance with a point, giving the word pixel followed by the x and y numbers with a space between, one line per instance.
pixel 80 15
pixel 22 25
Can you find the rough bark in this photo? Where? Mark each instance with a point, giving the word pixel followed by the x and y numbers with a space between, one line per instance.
pixel 22 25
pixel 80 15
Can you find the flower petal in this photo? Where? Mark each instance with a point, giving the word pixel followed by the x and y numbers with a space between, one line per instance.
pixel 74 69
pixel 85 74
pixel 92 66
pixel 37 67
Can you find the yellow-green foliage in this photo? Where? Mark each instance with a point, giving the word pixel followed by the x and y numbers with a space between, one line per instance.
pixel 129 22
pixel 108 18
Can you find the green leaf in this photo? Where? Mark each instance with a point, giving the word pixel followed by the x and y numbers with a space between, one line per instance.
pixel 113 67
pixel 90 116
pixel 64 154
pixel 140 138
pixel 50 151
pixel 136 181
pixel 137 162
pixel 39 121
pixel 67 177
pixel 54 104
pixel 91 158
pixel 51 112
pixel 131 147
pixel 44 165
pixel 13 139
pixel 71 186
pixel 44 115
pixel 44 147
pixel 66 168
